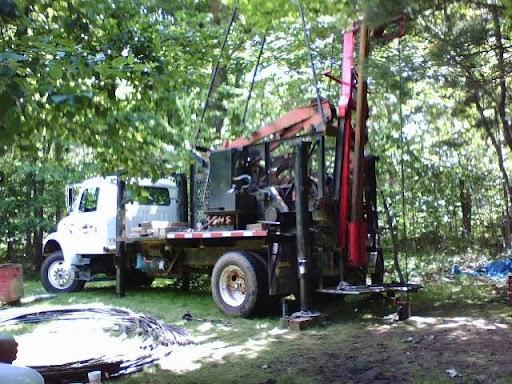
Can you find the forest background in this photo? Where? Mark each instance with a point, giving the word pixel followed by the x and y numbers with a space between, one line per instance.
pixel 90 88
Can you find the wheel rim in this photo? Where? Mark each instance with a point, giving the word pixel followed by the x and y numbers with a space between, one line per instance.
pixel 59 275
pixel 232 286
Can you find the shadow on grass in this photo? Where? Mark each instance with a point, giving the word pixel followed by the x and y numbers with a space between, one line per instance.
pixel 459 333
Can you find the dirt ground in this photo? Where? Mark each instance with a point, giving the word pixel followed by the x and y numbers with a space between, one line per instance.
pixel 466 344
pixel 422 349
pixel 452 342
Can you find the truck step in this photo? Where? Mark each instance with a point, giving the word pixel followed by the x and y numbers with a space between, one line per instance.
pixel 346 289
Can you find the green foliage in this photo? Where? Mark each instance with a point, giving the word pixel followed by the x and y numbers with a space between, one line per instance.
pixel 424 118
pixel 80 83
pixel 95 88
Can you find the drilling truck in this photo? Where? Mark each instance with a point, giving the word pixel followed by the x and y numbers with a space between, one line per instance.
pixel 291 209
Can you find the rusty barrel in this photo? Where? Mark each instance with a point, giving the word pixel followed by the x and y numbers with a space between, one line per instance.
pixel 11 282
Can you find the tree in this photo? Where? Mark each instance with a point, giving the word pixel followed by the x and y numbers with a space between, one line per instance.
pixel 469 43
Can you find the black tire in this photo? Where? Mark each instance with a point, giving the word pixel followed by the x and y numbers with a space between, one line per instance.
pixel 55 277
pixel 240 284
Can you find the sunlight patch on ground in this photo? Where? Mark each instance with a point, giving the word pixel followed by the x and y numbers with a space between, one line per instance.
pixel 192 357
pixel 455 322
pixel 291 335
pixel 103 336
pixel 262 326
pixel 210 331
pixel 277 331
pixel 67 341
pixel 432 323
pixel 205 327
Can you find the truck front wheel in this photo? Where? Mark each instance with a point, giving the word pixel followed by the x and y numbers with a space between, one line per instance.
pixel 239 284
pixel 56 276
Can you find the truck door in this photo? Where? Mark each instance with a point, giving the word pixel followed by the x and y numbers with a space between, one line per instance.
pixel 91 221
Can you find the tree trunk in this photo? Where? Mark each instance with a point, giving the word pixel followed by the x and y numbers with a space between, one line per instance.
pixel 59 203
pixel 11 255
pixel 29 201
pixel 465 203
pixel 29 251
pixel 394 237
pixel 39 188
pixel 507 241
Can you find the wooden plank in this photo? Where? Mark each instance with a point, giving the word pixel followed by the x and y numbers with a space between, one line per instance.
pixel 301 323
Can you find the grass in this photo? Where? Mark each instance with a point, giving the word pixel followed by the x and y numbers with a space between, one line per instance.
pixel 357 343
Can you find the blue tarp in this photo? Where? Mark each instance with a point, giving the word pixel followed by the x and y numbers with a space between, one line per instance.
pixel 496 270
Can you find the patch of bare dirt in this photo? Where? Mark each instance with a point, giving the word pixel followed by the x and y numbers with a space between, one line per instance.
pixel 458 349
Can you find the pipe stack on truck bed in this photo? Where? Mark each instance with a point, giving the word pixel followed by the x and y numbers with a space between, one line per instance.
pixel 291 209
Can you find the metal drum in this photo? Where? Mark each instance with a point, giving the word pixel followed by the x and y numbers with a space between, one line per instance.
pixel 11 283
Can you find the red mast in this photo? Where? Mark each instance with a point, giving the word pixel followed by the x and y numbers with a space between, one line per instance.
pixel 352 226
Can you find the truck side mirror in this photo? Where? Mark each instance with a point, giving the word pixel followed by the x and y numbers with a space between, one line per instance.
pixel 69 198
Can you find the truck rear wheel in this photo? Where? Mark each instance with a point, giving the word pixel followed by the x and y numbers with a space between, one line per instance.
pixel 56 275
pixel 239 284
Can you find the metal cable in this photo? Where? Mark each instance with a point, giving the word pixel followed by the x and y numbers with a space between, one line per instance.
pixel 253 79
pixel 214 74
pixel 315 82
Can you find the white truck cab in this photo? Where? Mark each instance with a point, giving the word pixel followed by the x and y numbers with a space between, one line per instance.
pixel 84 243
